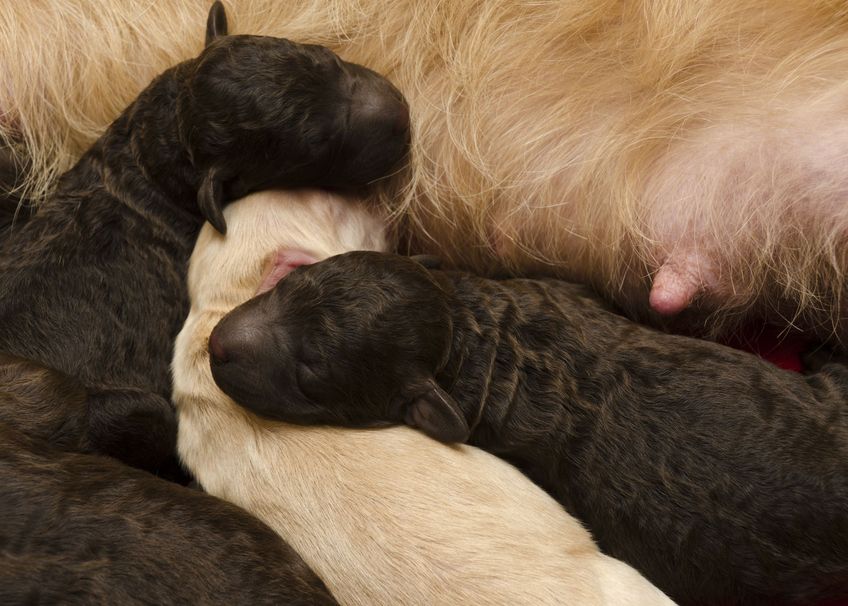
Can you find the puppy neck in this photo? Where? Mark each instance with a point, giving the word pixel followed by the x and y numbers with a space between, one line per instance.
pixel 145 141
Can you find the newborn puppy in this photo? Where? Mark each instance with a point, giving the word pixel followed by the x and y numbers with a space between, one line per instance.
pixel 81 529
pixel 93 286
pixel 384 517
pixel 720 477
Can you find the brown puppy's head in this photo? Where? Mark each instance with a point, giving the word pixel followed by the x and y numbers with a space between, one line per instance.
pixel 355 340
pixel 257 112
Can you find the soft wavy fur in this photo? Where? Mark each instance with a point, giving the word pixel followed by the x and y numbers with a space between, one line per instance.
pixel 596 139
pixel 383 516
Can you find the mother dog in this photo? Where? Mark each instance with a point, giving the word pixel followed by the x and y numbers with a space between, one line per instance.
pixel 674 153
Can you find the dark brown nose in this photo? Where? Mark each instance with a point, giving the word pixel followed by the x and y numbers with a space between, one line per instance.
pixel 239 339
pixel 216 348
pixel 377 111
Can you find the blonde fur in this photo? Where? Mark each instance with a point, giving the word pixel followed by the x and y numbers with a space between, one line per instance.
pixel 600 140
pixel 383 516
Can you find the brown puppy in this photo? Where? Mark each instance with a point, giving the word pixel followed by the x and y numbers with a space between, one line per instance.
pixel 93 284
pixel 722 478
pixel 84 529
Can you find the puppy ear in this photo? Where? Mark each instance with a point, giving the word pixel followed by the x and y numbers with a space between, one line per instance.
pixel 210 200
pixel 437 414
pixel 428 261
pixel 216 22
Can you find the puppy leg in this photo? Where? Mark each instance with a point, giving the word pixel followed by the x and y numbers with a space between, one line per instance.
pixel 135 426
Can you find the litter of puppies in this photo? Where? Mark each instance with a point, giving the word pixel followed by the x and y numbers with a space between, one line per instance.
pixel 605 462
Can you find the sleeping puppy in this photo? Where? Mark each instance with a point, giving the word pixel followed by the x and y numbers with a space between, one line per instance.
pixel 93 284
pixel 384 517
pixel 720 477
pixel 83 529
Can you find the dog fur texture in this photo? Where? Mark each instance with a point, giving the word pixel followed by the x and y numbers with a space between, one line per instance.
pixel 93 284
pixel 384 517
pixel 670 153
pixel 48 405
pixel 84 529
pixel 720 477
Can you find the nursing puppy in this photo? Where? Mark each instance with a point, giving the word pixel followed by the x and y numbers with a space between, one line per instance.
pixel 671 153
pixel 384 517
pixel 93 284
pixel 82 529
pixel 719 476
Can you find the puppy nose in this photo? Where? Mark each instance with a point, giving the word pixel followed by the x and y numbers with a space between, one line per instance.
pixel 216 348
pixel 230 344
pixel 378 106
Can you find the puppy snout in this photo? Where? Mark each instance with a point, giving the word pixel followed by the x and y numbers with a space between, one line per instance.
pixel 376 108
pixel 232 343
pixel 216 348
pixel 401 120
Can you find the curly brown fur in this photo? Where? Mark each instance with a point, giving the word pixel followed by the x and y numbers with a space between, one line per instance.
pixel 693 147
pixel 720 477
pixel 82 529
pixel 93 285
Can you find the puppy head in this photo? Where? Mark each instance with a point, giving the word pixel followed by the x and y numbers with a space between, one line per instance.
pixel 354 340
pixel 257 112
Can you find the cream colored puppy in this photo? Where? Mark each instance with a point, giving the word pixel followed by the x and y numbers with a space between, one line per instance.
pixel 383 516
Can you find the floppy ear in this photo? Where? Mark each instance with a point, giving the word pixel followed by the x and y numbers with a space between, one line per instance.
pixel 216 22
pixel 428 261
pixel 210 200
pixel 437 414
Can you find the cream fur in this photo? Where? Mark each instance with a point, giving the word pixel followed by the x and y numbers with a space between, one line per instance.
pixel 383 516
pixel 597 139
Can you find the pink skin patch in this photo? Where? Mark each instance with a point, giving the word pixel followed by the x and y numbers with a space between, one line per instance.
pixel 284 262
pixel 681 278
pixel 672 291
